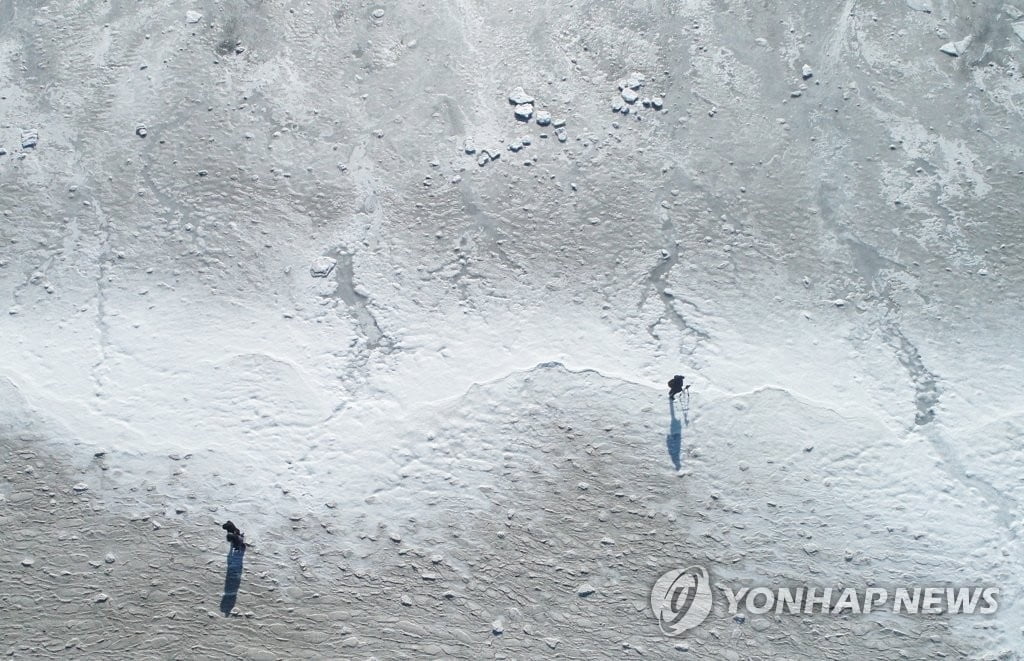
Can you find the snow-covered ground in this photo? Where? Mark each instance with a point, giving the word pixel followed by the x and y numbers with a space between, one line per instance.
pixel 251 272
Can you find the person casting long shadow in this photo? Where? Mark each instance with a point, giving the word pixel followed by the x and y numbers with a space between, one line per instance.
pixel 674 440
pixel 233 576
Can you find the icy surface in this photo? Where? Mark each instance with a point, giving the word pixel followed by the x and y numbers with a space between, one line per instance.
pixel 433 393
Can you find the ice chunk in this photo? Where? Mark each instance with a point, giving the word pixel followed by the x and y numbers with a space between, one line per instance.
pixel 322 267
pixel 524 111
pixel 519 97
pixel 1018 29
pixel 957 48
pixel 633 82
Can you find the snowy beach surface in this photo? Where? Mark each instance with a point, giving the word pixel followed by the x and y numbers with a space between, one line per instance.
pixel 397 289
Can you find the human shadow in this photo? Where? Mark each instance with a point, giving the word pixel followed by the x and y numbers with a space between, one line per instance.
pixel 674 440
pixel 232 580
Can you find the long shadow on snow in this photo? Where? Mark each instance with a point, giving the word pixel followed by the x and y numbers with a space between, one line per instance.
pixel 232 580
pixel 674 440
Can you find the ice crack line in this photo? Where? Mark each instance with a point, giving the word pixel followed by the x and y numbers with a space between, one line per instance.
pixel 656 280
pixel 1004 504
pixel 355 301
pixel 925 382
pixel 927 398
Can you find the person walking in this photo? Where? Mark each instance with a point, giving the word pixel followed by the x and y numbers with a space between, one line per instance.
pixel 675 386
pixel 235 536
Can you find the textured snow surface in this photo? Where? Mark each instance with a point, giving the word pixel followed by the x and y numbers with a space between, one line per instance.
pixel 433 393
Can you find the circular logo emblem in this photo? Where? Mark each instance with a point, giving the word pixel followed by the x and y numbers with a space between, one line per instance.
pixel 681 599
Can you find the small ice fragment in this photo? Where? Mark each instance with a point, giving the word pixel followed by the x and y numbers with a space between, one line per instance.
pixel 322 266
pixel 524 111
pixel 519 97
pixel 957 48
